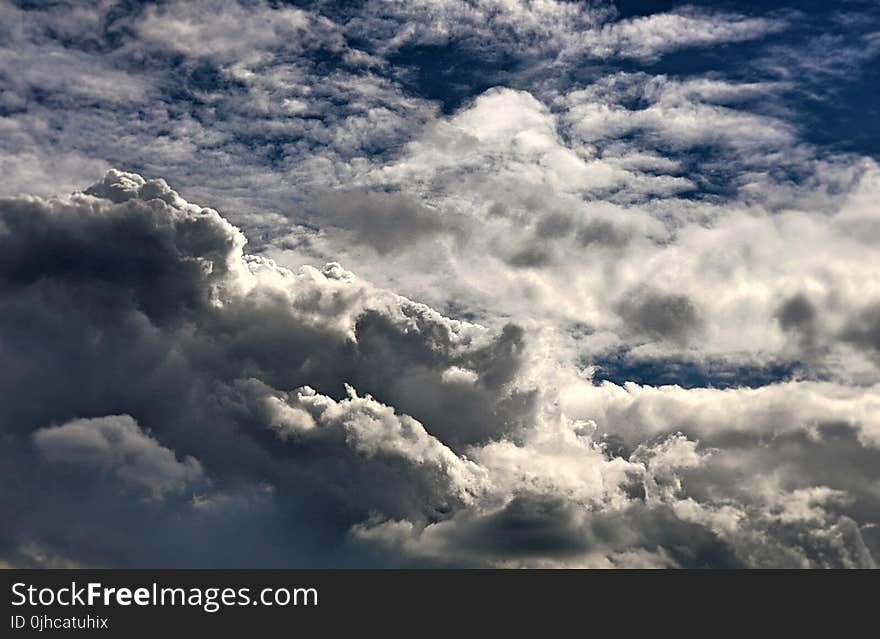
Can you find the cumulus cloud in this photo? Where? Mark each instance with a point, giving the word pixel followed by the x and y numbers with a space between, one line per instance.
pixel 469 283
pixel 116 445
pixel 155 289
pixel 458 454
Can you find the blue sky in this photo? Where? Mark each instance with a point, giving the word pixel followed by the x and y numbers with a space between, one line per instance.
pixel 386 279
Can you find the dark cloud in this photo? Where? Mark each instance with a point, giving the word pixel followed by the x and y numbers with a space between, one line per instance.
pixel 308 418
pixel 660 315
pixel 797 313
pixel 409 373
pixel 799 316
pixel 148 304
pixel 528 526
pixel 389 222
pixel 529 256
pixel 554 225
pixel 115 444
pixel 176 401
pixel 863 330
pixel 602 233
pixel 532 527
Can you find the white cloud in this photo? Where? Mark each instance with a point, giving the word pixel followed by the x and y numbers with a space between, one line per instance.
pixel 640 412
pixel 650 36
pixel 228 31
pixel 679 115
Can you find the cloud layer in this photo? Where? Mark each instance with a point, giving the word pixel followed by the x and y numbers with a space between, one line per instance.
pixel 456 457
pixel 444 283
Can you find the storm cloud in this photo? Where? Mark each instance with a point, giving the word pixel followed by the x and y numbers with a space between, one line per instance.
pixel 438 284
pixel 250 377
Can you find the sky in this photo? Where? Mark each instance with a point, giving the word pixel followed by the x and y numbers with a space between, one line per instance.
pixel 447 283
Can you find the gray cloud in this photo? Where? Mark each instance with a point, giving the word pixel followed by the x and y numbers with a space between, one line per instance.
pixel 529 256
pixel 660 315
pixel 797 313
pixel 397 429
pixel 553 225
pixel 651 36
pixel 116 444
pixel 863 330
pixel 496 160
pixel 602 233
pixel 531 528
pixel 389 222
pixel 166 320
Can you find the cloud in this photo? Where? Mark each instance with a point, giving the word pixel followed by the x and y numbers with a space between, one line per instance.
pixel 486 25
pixel 388 222
pixel 156 86
pixel 863 330
pixel 399 429
pixel 524 29
pixel 636 411
pixel 664 316
pixel 658 525
pixel 167 301
pixel 676 114
pixel 116 445
pixel 494 283
pixel 226 30
pixel 531 529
